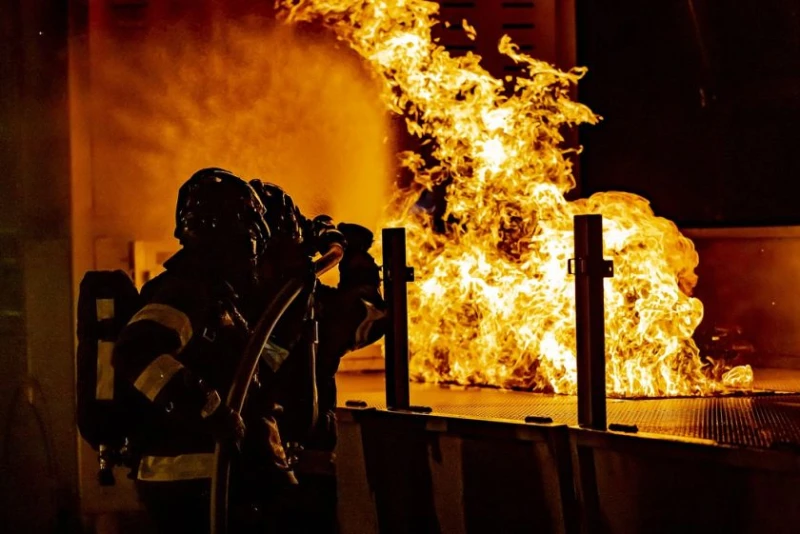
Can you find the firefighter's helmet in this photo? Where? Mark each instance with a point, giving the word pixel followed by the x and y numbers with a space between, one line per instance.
pixel 218 209
pixel 283 216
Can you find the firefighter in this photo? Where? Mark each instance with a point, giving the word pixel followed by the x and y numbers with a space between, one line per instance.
pixel 180 351
pixel 349 316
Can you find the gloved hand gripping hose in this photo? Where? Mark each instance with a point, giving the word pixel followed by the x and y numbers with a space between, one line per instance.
pixel 293 287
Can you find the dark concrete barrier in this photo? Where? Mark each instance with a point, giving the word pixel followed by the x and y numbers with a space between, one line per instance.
pixel 415 473
pixel 657 484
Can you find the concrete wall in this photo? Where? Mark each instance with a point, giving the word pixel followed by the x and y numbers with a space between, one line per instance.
pixel 38 486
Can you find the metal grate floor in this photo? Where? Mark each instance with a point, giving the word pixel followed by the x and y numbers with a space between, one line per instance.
pixel 763 420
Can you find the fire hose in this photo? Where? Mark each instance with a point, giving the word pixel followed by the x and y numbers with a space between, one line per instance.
pixel 220 481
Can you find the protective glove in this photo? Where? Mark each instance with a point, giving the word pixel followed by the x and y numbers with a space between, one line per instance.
pixel 324 233
pixel 358 267
pixel 358 237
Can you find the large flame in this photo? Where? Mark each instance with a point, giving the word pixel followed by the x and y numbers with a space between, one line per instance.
pixel 494 304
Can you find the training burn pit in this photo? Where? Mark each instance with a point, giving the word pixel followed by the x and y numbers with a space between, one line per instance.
pixel 494 304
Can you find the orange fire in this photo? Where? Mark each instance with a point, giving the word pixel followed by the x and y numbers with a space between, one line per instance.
pixel 494 304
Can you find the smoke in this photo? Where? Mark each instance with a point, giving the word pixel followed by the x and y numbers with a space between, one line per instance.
pixel 284 104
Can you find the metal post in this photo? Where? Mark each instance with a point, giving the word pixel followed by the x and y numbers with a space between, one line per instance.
pixel 396 274
pixel 590 269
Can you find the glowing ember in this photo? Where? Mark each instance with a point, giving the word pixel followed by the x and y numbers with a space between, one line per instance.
pixel 494 304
